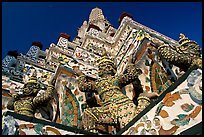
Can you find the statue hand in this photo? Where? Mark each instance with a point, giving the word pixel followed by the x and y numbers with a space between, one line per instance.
pixel 132 68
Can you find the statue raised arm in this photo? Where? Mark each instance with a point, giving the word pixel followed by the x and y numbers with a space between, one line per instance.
pixel 47 95
pixel 83 83
pixel 27 102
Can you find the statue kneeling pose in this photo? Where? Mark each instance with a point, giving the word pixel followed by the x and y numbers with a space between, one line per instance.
pixel 117 108
pixel 27 102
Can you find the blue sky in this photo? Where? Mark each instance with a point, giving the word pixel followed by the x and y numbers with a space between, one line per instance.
pixel 25 22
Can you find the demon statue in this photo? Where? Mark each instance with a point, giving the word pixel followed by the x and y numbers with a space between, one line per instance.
pixel 27 102
pixel 117 109
pixel 184 56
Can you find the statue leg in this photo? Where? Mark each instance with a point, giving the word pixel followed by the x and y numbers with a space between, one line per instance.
pixel 98 115
pixel 126 112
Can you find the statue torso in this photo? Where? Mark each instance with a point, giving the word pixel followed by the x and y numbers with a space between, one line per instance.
pixel 109 89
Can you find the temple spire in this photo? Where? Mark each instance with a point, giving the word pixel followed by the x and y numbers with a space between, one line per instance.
pixel 96 15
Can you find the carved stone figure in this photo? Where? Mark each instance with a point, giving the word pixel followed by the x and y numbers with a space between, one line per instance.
pixel 184 56
pixel 27 102
pixel 117 109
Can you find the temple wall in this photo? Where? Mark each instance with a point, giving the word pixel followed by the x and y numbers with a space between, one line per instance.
pixel 70 99
pixel 175 110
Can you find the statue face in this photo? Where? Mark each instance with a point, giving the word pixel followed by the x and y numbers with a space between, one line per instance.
pixel 106 66
pixel 31 88
pixel 106 69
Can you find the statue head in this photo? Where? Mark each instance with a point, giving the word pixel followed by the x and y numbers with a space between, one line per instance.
pixel 31 87
pixel 189 45
pixel 106 65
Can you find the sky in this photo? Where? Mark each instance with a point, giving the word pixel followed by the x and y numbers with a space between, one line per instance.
pixel 25 22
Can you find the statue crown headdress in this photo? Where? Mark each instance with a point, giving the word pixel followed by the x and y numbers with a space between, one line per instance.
pixel 183 39
pixel 104 59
